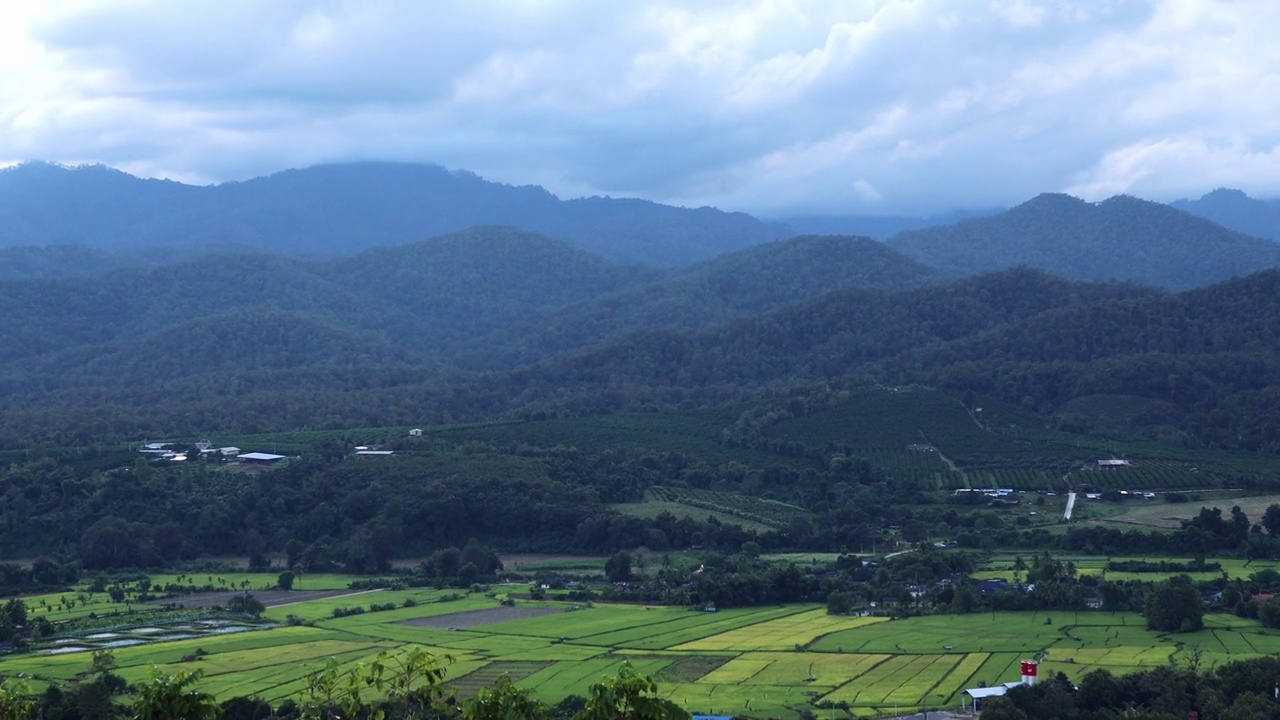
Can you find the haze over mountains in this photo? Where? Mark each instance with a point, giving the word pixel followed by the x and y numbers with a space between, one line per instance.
pixel 178 310
pixel 332 210
pixel 340 210
pixel 1234 210
pixel 1122 238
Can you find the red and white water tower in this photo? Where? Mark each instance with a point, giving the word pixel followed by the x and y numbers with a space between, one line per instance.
pixel 1029 670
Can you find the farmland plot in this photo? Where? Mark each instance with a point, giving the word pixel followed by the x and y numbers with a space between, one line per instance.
pixel 782 633
pixel 768 662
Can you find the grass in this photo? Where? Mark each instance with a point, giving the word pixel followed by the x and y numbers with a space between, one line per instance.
pixel 653 508
pixel 695 433
pixel 1171 515
pixel 258 581
pixel 1001 566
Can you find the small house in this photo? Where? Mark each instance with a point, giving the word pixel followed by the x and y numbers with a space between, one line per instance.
pixel 1113 463
pixel 259 458
pixel 416 432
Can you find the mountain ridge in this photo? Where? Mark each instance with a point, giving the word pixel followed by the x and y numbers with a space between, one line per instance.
pixel 1122 238
pixel 1237 211
pixel 340 209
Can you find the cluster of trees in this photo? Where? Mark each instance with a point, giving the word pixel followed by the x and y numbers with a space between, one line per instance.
pixel 324 510
pixel 1241 690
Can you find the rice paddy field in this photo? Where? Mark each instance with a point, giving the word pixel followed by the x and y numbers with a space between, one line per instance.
pixel 1001 566
pixel 758 662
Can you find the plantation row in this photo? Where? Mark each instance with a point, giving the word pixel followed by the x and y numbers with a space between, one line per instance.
pixel 1146 476
pixel 774 514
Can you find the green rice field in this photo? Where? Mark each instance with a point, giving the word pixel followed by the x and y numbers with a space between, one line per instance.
pixel 1001 566
pixel 764 661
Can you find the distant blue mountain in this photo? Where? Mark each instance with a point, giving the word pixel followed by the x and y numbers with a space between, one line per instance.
pixel 332 210
pixel 1237 211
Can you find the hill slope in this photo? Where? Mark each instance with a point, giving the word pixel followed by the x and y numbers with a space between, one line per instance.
pixel 732 286
pixel 1122 238
pixel 342 209
pixel 405 304
pixel 1237 211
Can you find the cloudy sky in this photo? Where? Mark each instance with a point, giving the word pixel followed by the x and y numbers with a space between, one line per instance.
pixel 769 106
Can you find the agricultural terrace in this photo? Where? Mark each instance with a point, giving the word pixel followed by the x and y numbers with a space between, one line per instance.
pixel 764 661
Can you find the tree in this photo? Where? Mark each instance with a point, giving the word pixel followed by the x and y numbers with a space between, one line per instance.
pixel 618 567
pixel 285 580
pixel 1269 612
pixel 1271 520
pixel 247 604
pixel 503 701
pixel 417 682
pixel 1001 708
pixel 1174 606
pixel 173 697
pixel 104 661
pixel 629 696
pixel 334 693
pixel 16 701
pixel 246 708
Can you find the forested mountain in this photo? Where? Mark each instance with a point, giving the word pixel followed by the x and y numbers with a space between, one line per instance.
pixel 485 298
pixel 839 333
pixel 734 285
pixel 342 209
pixel 1210 355
pixel 1237 211
pixel 494 323
pixel 1122 238
pixel 258 312
pixel 60 261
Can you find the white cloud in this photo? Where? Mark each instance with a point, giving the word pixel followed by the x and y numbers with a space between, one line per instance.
pixel 766 105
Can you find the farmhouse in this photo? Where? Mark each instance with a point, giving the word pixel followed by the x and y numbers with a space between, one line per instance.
pixel 1113 463
pixel 416 432
pixel 257 458
pixel 374 452
pixel 977 695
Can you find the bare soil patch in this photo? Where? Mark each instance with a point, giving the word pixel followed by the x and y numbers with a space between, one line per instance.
pixel 269 598
pixel 475 618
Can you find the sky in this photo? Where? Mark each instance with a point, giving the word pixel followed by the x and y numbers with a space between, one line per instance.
pixel 773 107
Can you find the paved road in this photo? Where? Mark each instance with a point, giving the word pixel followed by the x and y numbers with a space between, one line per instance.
pixel 1071 505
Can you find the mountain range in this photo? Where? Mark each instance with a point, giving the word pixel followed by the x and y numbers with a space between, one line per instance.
pixel 58 222
pixel 493 321
pixel 332 297
pixel 332 210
